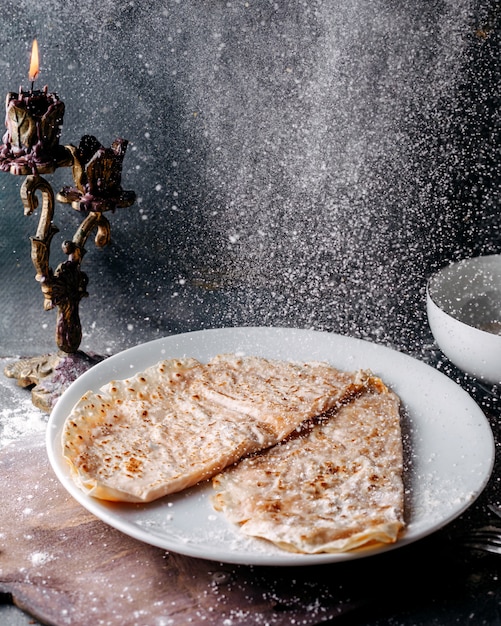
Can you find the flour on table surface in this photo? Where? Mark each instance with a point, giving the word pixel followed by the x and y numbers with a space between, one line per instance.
pixel 18 416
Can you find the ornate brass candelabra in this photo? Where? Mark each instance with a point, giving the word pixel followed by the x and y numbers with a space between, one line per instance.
pixel 31 148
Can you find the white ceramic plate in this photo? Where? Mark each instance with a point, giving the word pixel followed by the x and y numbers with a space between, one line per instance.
pixel 449 443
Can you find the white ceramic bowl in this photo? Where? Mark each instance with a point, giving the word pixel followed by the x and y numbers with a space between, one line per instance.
pixel 463 302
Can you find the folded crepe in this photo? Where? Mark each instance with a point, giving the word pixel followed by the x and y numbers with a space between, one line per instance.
pixel 335 486
pixel 182 421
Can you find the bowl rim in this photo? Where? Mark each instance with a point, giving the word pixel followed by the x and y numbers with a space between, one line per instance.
pixel 481 261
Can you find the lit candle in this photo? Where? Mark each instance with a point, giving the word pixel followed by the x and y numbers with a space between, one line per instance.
pixel 33 121
pixel 34 63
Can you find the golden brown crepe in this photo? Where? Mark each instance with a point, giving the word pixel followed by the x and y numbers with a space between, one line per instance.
pixel 182 421
pixel 334 487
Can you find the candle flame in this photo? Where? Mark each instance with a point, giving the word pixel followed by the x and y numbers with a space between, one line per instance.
pixel 34 63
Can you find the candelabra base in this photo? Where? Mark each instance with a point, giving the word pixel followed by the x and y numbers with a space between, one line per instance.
pixel 49 375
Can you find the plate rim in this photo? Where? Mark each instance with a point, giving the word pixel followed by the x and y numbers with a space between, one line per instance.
pixel 94 506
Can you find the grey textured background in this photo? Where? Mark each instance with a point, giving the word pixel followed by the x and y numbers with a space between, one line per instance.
pixel 296 163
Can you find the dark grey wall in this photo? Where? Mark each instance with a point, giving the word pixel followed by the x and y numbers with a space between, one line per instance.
pixel 296 163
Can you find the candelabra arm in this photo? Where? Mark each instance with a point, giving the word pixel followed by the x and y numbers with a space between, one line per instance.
pixel 40 243
pixel 96 220
pixel 31 185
